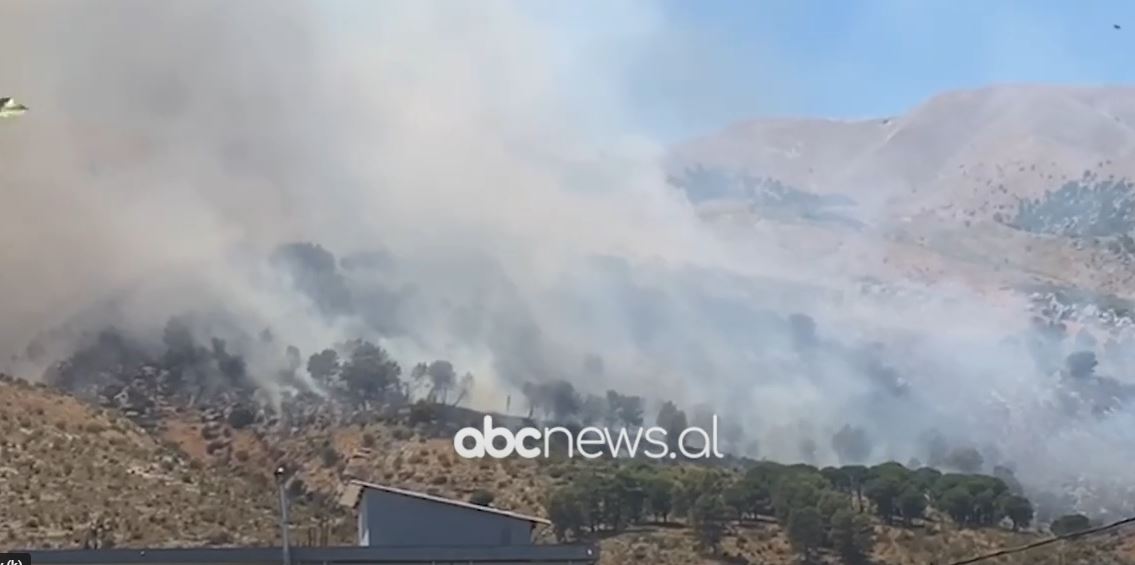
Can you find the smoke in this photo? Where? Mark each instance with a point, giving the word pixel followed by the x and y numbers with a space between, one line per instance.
pixel 473 171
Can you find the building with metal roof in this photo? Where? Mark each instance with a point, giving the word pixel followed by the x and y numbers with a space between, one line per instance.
pixel 390 516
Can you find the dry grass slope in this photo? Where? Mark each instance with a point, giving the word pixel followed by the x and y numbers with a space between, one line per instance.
pixel 76 474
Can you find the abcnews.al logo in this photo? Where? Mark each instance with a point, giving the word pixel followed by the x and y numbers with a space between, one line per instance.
pixel 530 442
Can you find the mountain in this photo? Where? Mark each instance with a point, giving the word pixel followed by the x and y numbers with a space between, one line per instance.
pixel 957 148
pixel 969 184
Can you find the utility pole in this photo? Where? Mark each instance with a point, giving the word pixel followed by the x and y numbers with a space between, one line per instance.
pixel 281 481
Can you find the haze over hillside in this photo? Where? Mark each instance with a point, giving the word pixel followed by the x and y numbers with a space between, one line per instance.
pixel 956 150
pixel 489 219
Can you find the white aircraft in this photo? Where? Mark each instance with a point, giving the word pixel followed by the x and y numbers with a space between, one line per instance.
pixel 10 108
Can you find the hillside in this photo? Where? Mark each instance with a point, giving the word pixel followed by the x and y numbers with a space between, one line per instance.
pixel 970 149
pixel 1044 171
pixel 73 474
pixel 161 486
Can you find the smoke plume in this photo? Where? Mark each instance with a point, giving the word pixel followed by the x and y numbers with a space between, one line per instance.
pixel 471 169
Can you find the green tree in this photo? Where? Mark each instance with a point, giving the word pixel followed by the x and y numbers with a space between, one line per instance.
pixel 708 520
pixel 613 501
pixel 925 478
pixel 884 492
pixel 660 497
pixel 796 491
pixel 565 512
pixel 439 376
pixel 632 494
pixel 739 498
pixel 757 484
pixel 324 365
pixel 624 410
pixel 805 530
pixel 692 486
pixel 1018 509
pixel 985 508
pixel 830 503
pixel 852 536
pixel 911 503
pixel 856 479
pixel 958 503
pixel 838 479
pixel 588 490
pixel 982 490
pixel 370 373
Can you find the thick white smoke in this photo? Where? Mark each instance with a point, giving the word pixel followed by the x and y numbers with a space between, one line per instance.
pixel 171 146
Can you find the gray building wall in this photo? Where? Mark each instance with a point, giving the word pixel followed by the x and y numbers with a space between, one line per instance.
pixel 392 519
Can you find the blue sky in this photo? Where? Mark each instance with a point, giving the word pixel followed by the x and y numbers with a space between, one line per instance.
pixel 697 65
pixel 865 58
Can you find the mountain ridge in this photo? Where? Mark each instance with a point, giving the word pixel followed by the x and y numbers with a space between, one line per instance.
pixel 961 138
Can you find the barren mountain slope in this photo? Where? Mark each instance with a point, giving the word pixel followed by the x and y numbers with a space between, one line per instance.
pixel 956 148
pixel 73 474
pixel 996 187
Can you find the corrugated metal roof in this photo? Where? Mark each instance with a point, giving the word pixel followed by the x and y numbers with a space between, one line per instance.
pixel 353 493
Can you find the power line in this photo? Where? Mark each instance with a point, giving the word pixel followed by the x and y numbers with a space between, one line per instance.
pixel 1048 541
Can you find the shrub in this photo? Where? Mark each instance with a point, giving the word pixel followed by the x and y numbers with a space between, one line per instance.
pixel 328 456
pixel 241 417
pixel 422 412
pixel 1070 523
pixel 482 497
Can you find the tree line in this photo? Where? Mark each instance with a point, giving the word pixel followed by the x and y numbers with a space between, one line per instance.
pixel 832 508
